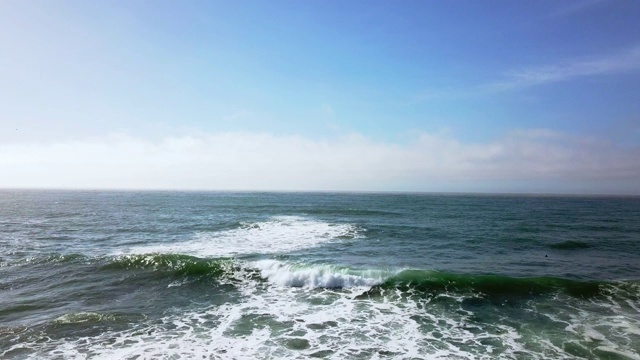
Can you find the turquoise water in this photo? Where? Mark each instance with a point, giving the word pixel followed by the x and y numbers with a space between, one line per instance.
pixel 173 275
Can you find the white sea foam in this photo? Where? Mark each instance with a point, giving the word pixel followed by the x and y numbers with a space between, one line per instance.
pixel 609 350
pixel 278 235
pixel 285 274
pixel 297 313
pixel 298 322
pixel 603 327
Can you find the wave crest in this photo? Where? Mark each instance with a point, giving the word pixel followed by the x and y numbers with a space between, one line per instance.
pixel 174 263
pixel 278 235
pixel 492 285
pixel 569 245
pixel 325 276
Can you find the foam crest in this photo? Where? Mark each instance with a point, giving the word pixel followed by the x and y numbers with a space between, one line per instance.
pixel 277 235
pixel 83 317
pixel 284 274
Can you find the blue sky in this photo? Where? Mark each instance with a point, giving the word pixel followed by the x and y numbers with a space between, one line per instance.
pixel 499 96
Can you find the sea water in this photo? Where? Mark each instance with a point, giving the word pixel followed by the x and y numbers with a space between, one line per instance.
pixel 226 275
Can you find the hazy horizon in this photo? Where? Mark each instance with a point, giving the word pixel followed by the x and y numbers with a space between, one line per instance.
pixel 329 192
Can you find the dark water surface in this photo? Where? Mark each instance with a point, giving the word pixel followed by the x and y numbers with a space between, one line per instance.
pixel 88 274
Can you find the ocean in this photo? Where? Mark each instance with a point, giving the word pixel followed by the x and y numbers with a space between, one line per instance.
pixel 259 275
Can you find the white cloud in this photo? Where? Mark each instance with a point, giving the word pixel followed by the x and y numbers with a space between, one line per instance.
pixel 569 69
pixel 567 8
pixel 617 63
pixel 327 109
pixel 527 160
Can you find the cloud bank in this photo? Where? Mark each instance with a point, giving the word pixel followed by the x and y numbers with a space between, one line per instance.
pixel 521 161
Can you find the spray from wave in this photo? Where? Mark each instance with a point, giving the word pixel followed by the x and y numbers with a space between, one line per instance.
pixel 298 275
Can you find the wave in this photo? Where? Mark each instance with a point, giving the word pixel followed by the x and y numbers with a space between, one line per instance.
pixel 350 212
pixel 374 281
pixel 54 258
pixel 319 276
pixel 176 264
pixel 492 285
pixel 569 245
pixel 173 263
pixel 432 283
pixel 96 317
pixel 83 317
pixel 277 235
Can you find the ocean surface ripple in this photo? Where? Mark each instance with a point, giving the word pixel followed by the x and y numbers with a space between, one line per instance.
pixel 223 275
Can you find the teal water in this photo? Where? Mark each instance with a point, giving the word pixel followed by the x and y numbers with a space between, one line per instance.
pixel 133 275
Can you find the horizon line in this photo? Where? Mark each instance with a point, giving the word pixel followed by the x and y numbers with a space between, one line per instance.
pixel 362 192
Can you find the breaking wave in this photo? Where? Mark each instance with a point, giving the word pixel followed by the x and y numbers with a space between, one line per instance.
pixel 280 234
